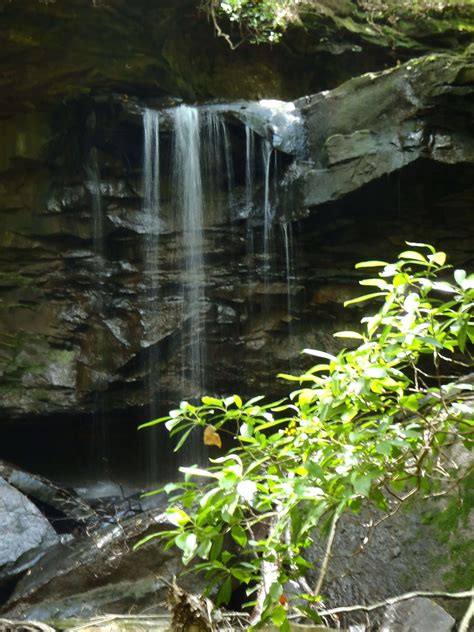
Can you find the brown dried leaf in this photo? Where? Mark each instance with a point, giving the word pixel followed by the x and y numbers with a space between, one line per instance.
pixel 211 437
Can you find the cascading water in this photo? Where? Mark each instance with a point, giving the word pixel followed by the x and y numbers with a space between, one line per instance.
pixel 151 171
pixel 267 150
pixel 203 188
pixel 216 166
pixel 151 220
pixel 94 186
pixel 250 177
pixel 151 215
pixel 288 246
pixel 188 195
pixel 249 167
pixel 93 174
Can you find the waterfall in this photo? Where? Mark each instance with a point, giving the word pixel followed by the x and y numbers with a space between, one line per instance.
pixel 151 171
pixel 217 166
pixel 93 174
pixel 100 443
pixel 287 231
pixel 229 166
pixel 202 183
pixel 188 195
pixel 249 166
pixel 151 221
pixel 267 150
pixel 151 215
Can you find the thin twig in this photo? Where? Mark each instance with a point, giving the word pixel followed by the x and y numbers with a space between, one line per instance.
pixel 210 8
pixel 466 620
pixel 327 553
pixel 468 594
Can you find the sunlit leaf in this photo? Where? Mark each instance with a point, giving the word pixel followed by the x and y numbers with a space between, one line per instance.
pixel 365 297
pixel 413 255
pixel 438 257
pixel 371 264
pixel 319 354
pixel 348 334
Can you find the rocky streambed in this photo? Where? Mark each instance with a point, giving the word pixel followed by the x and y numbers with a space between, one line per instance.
pixel 72 565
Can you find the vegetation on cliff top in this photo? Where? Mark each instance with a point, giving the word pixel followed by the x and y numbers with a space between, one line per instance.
pixel 263 21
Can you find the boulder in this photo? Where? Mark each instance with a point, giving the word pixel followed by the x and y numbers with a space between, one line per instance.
pixel 100 573
pixel 63 503
pixel 417 615
pixel 25 534
pixel 381 122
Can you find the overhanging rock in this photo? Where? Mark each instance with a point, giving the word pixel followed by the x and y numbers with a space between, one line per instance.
pixel 380 122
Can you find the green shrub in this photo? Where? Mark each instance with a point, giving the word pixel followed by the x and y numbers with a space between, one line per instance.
pixel 365 426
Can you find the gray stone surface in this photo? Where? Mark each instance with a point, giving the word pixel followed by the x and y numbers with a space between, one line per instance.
pixel 25 534
pixel 101 573
pixel 417 615
pixel 381 122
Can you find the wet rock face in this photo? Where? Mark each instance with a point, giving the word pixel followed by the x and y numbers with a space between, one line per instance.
pixel 381 122
pixel 50 51
pixel 81 329
pixel 99 573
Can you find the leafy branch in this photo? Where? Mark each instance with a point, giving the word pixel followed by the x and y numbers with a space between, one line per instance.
pixel 370 426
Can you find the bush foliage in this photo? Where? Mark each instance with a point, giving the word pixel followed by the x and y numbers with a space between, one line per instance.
pixel 369 425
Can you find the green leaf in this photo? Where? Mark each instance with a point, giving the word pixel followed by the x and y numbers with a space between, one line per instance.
pixel 380 283
pixel 417 244
pixel 246 430
pixel 212 401
pixel 279 617
pixel 153 422
pixel 225 592
pixel 289 378
pixel 438 257
pixel 204 548
pixel 375 372
pixel 371 264
pixel 237 401
pixel 319 354
pixel 276 591
pixel 361 484
pixel 196 471
pixel 348 334
pixel 239 535
pixel 384 448
pixel 305 397
pixel 413 255
pixel 459 276
pixel 216 548
pixel 147 539
pixel 365 297
pixel 183 438
pixel 187 542
pixel 411 402
pixel 177 516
